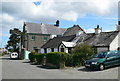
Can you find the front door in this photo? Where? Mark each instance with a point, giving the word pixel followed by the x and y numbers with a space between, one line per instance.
pixel 62 50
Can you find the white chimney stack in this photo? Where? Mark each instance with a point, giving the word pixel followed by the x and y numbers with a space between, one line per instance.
pixel 98 30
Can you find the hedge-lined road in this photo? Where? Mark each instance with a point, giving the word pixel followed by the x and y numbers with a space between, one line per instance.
pixel 20 69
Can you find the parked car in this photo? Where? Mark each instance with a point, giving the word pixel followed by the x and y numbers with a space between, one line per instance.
pixel 104 59
pixel 14 55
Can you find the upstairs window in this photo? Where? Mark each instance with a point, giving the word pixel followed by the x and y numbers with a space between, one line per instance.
pixel 33 38
pixel 45 38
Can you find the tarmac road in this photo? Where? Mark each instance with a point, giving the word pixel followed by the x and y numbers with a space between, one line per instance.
pixel 22 69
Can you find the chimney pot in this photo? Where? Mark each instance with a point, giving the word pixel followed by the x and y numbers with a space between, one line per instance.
pixel 57 23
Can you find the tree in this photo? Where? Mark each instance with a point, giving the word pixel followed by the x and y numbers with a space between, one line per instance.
pixel 81 53
pixel 14 40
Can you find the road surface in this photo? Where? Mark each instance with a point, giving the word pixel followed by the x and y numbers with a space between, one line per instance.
pixel 22 69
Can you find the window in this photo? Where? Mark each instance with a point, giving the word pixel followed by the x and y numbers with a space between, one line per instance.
pixel 100 55
pixel 111 54
pixel 118 53
pixel 62 46
pixel 52 49
pixel 45 38
pixel 33 38
pixel 34 48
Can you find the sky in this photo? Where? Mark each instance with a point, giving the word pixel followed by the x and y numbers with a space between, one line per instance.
pixel 85 13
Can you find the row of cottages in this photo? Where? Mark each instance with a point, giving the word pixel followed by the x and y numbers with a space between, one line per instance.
pixel 101 41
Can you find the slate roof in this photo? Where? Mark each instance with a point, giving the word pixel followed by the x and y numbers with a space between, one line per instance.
pixel 43 28
pixel 55 42
pixel 72 30
pixel 102 39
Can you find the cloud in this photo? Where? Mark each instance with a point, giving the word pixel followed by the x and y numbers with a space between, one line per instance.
pixel 54 9
pixel 17 11
pixel 7 18
pixel 14 12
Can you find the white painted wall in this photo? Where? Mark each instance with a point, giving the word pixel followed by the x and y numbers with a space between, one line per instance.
pixel 55 49
pixel 66 50
pixel 48 50
pixel 100 49
pixel 119 40
pixel 42 50
pixel 114 44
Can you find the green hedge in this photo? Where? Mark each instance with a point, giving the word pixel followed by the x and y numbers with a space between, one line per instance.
pixel 61 59
pixel 57 59
pixel 32 56
pixel 4 53
pixel 39 57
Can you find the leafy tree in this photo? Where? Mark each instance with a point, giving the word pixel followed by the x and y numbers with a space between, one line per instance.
pixel 14 40
pixel 81 53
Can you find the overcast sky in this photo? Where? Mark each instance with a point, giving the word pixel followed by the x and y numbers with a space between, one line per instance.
pixel 86 13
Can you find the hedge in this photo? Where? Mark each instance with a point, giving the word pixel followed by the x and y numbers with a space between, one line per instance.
pixel 39 57
pixel 57 59
pixel 32 56
pixel 4 53
pixel 61 59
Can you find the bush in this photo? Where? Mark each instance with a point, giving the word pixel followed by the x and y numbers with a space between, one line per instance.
pixel 81 53
pixel 57 59
pixel 4 53
pixel 69 60
pixel 32 56
pixel 39 58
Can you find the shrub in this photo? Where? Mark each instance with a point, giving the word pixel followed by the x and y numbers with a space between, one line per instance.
pixel 32 56
pixel 69 60
pixel 57 59
pixel 39 58
pixel 4 53
pixel 81 53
